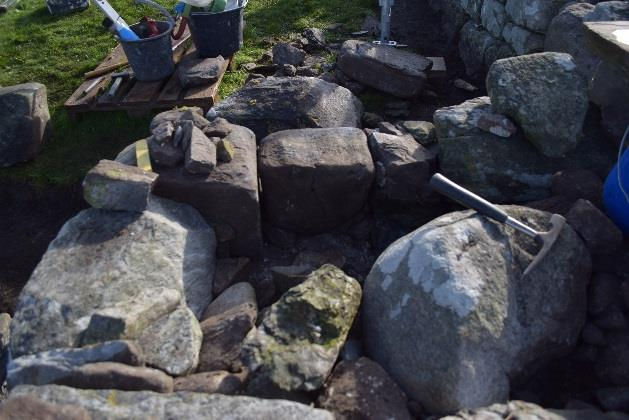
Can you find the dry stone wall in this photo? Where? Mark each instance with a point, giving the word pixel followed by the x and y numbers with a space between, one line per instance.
pixel 495 29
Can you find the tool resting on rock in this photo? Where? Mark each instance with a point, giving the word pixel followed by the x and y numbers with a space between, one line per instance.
pixel 467 198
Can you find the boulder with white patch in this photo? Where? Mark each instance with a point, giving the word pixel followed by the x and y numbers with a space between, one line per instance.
pixel 449 315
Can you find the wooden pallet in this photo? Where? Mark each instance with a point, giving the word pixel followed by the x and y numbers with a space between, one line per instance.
pixel 139 98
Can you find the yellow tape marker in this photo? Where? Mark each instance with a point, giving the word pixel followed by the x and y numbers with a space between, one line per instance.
pixel 142 155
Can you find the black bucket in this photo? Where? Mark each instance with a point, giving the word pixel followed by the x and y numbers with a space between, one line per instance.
pixel 217 34
pixel 151 58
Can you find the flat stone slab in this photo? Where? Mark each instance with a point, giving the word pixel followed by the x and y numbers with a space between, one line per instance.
pixel 393 71
pixel 114 186
pixel 611 40
pixel 123 405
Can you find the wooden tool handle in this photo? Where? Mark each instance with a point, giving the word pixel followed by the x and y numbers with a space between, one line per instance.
pixel 105 70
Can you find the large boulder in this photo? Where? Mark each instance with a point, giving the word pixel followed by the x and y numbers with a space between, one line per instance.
pixel 396 72
pixel 283 103
pixel 299 338
pixel 527 410
pixel 545 94
pixel 121 405
pixel 448 314
pixel 506 170
pixel 112 275
pixel 315 179
pixel 228 197
pixel 24 122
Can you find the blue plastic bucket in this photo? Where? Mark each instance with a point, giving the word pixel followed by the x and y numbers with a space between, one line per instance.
pixel 616 203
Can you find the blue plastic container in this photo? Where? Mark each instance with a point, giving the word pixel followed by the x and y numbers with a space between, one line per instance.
pixel 615 200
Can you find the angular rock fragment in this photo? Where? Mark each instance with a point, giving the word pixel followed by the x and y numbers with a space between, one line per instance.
pixel 113 186
pixel 24 123
pixel 448 315
pixel 362 389
pixel 53 366
pixel 178 115
pixel 545 94
pixel 471 117
pixel 601 235
pixel 396 72
pixel 218 127
pixel 173 342
pixel 300 336
pixel 239 297
pixel 279 103
pixel 180 405
pixel 200 72
pixel 422 131
pixel 287 54
pixel 228 272
pixel 64 7
pixel 405 167
pixel 217 382
pixel 200 154
pixel 109 375
pixel 224 151
pixel 315 201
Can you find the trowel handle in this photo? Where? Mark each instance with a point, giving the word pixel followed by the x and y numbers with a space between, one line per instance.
pixel 467 198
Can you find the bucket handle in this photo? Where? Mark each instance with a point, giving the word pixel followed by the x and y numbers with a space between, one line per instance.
pixel 158 7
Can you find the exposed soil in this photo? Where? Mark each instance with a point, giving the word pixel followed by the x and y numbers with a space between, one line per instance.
pixel 29 220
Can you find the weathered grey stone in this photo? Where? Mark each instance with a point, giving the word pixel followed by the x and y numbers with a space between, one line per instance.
pixel 200 155
pixel 224 151
pixel 54 365
pixel 527 410
pixel 579 183
pixel 478 49
pixel 448 315
pixel 28 407
pixel 606 38
pixel 177 116
pixel 512 170
pixel 362 389
pixel 109 375
pixel 173 342
pixel 113 186
pixel 179 405
pixel 111 275
pixel 236 215
pixel 601 235
pixel 64 7
pixel 162 147
pixel 240 296
pixel 287 54
pixel 536 15
pixel 396 72
pixel 545 94
pixel 315 201
pixel 566 34
pixel 300 336
pixel 472 117
pixel 288 70
pixel 494 17
pixel 218 127
pixel 200 71
pixel 279 103
pixel 522 40
pixel 404 167
pixel 422 131
pixel 217 382
pixel 388 128
pixel 616 399
pixel 316 39
pixel 223 335
pixel 24 123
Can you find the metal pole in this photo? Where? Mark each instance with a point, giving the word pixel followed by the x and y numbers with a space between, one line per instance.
pixel 385 20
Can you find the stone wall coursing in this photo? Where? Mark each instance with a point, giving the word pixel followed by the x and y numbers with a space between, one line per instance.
pixel 502 28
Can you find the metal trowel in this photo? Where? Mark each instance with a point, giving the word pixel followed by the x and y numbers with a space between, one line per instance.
pixel 467 198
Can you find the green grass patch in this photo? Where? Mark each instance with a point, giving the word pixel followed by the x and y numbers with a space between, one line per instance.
pixel 56 51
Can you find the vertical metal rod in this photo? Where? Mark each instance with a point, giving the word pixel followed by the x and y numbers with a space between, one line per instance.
pixel 385 19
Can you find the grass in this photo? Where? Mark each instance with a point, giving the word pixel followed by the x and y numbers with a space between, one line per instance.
pixel 56 51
